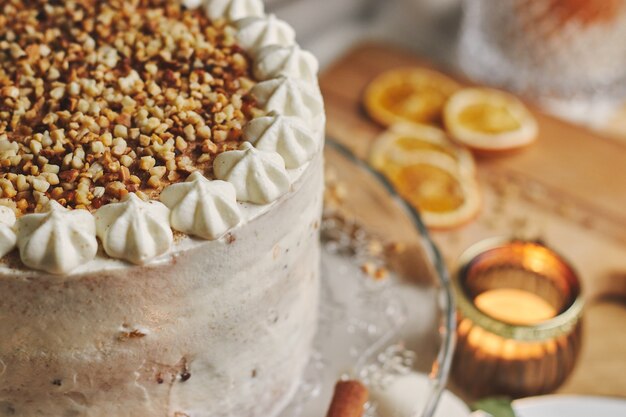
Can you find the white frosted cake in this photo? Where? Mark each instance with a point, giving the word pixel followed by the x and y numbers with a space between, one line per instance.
pixel 160 199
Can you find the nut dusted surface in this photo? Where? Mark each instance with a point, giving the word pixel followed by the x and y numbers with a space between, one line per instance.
pixel 98 99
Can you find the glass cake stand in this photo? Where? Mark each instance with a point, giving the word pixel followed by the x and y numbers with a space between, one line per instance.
pixel 386 304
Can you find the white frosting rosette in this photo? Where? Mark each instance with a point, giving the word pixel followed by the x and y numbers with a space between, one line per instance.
pixel 291 97
pixel 259 177
pixel 58 240
pixel 254 33
pixel 203 208
pixel 134 230
pixel 8 239
pixel 289 136
pixel 275 61
pixel 232 10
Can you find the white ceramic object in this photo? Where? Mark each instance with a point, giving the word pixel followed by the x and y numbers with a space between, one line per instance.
pixel 570 406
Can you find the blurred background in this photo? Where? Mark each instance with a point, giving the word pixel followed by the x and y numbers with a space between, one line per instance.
pixel 434 29
pixel 567 188
pixel 329 27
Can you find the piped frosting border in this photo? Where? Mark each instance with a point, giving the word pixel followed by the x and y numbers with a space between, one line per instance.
pixel 278 147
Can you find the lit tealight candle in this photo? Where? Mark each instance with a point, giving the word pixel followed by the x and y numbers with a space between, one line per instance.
pixel 519 319
pixel 514 306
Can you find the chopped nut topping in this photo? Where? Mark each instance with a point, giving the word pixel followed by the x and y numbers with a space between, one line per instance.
pixel 99 99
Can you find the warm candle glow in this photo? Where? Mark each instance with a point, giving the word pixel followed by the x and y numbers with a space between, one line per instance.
pixel 519 328
pixel 514 306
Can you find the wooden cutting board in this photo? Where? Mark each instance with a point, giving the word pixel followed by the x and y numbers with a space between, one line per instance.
pixel 569 189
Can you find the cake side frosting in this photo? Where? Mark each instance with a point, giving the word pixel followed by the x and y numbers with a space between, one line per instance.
pixel 200 336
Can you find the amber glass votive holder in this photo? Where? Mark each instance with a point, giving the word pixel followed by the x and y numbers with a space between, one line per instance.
pixel 521 352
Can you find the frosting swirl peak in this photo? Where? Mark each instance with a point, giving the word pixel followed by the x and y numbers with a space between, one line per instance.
pixel 257 32
pixel 134 230
pixel 288 135
pixel 58 240
pixel 291 97
pixel 287 61
pixel 232 10
pixel 202 208
pixel 8 239
pixel 259 177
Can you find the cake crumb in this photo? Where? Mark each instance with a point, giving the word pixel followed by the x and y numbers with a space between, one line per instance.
pixel 128 332
pixel 343 233
pixel 230 238
pixel 368 268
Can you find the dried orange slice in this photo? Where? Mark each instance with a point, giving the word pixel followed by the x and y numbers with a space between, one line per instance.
pixel 432 182
pixel 408 95
pixel 400 142
pixel 489 120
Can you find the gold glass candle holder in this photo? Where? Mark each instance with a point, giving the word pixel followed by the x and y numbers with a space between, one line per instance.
pixel 519 319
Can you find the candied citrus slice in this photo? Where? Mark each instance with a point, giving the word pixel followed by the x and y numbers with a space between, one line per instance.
pixel 408 95
pixel 432 183
pixel 402 141
pixel 489 120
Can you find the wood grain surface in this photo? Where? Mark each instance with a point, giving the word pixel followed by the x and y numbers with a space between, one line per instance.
pixel 568 189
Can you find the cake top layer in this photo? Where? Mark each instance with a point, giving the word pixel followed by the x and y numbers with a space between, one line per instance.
pixel 99 99
pixel 122 122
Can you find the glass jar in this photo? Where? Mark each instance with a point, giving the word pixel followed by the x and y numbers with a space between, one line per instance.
pixel 546 48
